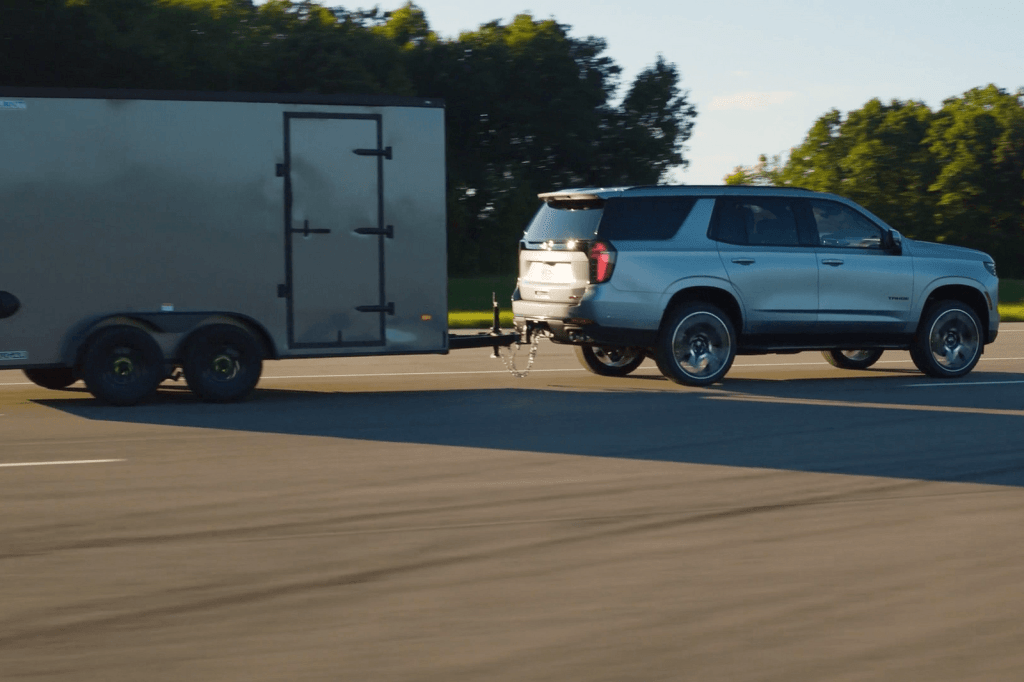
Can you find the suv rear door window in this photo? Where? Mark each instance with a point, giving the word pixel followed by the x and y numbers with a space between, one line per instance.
pixel 755 221
pixel 644 218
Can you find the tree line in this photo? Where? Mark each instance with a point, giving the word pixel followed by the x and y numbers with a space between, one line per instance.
pixel 529 107
pixel 955 175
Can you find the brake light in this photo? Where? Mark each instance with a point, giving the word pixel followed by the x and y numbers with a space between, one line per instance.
pixel 602 262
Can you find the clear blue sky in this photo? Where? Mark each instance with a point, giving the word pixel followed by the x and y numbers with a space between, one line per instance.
pixel 761 72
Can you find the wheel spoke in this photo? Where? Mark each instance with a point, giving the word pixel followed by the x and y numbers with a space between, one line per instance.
pixel 700 345
pixel 954 340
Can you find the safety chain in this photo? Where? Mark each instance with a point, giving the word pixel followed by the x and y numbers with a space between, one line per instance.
pixel 510 358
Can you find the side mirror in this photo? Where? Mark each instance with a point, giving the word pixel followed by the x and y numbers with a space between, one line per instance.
pixel 895 242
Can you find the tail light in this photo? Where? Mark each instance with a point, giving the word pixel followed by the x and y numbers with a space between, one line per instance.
pixel 602 262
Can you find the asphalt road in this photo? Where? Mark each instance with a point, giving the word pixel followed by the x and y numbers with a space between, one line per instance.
pixel 434 518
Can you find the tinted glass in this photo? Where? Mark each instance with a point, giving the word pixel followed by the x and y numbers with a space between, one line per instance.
pixel 560 224
pixel 758 221
pixel 840 225
pixel 646 218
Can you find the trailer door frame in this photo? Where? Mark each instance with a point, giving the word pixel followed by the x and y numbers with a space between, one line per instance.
pixel 349 309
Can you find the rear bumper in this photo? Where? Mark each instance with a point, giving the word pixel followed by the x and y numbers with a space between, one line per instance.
pixel 579 332
pixel 599 319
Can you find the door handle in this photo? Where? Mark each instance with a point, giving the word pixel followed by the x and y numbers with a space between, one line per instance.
pixel 743 261
pixel 832 261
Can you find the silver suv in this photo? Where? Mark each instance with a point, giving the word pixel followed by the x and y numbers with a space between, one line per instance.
pixel 691 276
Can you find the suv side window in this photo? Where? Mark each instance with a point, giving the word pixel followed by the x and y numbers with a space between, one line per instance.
pixel 841 226
pixel 755 221
pixel 644 218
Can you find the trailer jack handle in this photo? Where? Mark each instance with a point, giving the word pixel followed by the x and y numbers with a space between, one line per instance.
pixel 495 324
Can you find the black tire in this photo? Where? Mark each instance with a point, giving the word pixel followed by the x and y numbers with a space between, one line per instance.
pixel 696 345
pixel 949 340
pixel 222 363
pixel 54 378
pixel 610 361
pixel 852 359
pixel 122 365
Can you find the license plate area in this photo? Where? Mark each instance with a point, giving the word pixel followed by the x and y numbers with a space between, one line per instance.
pixel 549 273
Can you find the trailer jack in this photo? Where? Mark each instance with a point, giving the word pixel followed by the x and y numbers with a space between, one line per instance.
pixel 495 338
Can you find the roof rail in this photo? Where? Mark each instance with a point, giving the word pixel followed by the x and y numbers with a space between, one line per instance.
pixel 718 187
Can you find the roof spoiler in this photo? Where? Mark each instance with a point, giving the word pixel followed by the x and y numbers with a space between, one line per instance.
pixel 567 196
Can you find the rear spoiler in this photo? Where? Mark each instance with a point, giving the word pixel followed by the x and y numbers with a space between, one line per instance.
pixel 571 200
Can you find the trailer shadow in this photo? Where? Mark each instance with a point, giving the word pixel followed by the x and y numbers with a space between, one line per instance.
pixel 898 427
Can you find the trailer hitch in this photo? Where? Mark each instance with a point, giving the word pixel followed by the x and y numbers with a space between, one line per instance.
pixel 495 338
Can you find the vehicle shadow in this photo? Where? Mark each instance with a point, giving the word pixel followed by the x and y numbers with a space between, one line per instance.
pixel 894 426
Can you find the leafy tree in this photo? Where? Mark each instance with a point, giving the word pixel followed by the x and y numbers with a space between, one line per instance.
pixel 766 172
pixel 529 109
pixel 978 142
pixel 956 175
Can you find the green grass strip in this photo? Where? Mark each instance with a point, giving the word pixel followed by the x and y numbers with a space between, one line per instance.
pixel 468 319
pixel 1011 312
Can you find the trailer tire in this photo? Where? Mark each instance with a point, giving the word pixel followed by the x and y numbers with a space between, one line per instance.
pixel 222 363
pixel 54 378
pixel 122 365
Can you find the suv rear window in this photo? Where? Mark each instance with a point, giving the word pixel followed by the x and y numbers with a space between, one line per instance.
pixel 565 220
pixel 625 218
pixel 756 221
pixel 644 218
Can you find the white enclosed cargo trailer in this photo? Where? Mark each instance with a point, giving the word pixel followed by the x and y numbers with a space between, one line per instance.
pixel 145 231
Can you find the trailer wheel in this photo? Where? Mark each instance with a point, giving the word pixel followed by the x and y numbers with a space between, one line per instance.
pixel 54 378
pixel 222 363
pixel 122 365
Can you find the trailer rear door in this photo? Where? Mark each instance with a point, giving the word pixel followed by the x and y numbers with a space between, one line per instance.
pixel 334 230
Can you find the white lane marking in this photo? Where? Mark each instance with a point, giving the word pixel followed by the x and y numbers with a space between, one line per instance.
pixel 48 464
pixel 411 374
pixel 962 383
